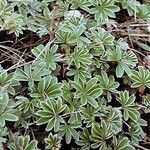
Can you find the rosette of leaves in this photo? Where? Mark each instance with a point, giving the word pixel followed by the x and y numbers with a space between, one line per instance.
pixel 126 60
pixel 23 142
pixel 51 114
pixel 103 9
pixel 107 84
pixel 48 87
pixel 87 92
pixel 100 134
pixel 122 143
pixel 84 139
pixel 81 58
pixel 8 83
pixel 53 142
pixel 30 74
pixel 47 55
pixel 7 113
pixel 140 79
pixel 100 39
pixel 69 131
pixel 130 110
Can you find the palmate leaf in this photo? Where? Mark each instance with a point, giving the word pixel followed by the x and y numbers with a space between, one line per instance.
pixel 84 139
pixel 63 37
pixel 143 11
pixel 73 104
pixel 51 114
pixel 132 9
pixel 83 4
pixel 103 9
pixel 69 130
pixel 80 58
pixel 80 74
pixel 53 142
pixel 122 143
pixel 23 142
pixel 107 84
pixel 7 113
pixel 26 105
pixel 48 55
pixel 140 78
pixel 101 133
pixel 14 23
pixel 76 27
pixel 100 38
pixel 130 110
pixel 89 115
pixel 7 82
pixel 88 92
pixel 30 74
pixel 122 44
pixel 136 132
pixel 48 87
pixel 126 60
pixel 114 118
pixel 146 102
pixel 5 9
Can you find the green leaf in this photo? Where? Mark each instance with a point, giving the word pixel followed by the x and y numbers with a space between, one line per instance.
pixel 47 55
pixel 100 133
pixel 122 144
pixel 128 106
pixel 103 9
pixel 48 87
pixel 126 60
pixel 144 46
pixel 48 114
pixel 80 58
pixel 140 78
pixel 88 92
pixel 9 117
pixel 53 141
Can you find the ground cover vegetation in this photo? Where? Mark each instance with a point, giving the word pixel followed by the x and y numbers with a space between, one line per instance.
pixel 74 74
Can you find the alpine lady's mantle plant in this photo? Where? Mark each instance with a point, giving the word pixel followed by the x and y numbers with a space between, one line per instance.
pixel 86 86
